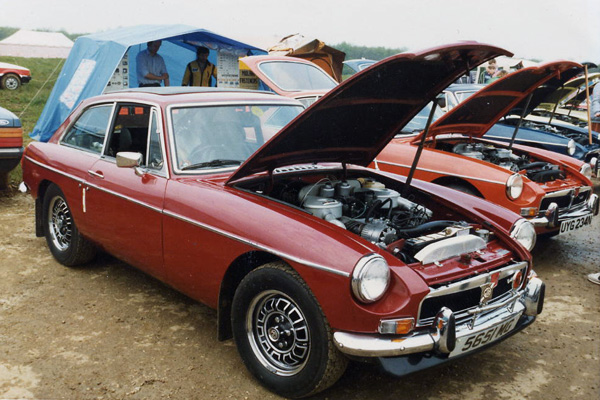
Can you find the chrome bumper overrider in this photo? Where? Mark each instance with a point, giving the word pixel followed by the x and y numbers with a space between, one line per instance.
pixel 445 333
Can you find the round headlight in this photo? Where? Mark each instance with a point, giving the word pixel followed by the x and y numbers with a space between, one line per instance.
pixel 571 147
pixel 586 170
pixel 370 278
pixel 523 232
pixel 514 186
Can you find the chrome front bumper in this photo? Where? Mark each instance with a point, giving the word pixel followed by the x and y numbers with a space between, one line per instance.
pixel 553 218
pixel 443 336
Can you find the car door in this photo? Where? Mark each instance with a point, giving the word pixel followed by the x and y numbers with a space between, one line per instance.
pixel 126 204
pixel 80 147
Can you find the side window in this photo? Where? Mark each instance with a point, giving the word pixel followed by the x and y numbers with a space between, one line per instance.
pixel 155 154
pixel 130 130
pixel 89 130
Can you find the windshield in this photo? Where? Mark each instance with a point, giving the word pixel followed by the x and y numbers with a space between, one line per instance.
pixel 295 76
pixel 417 124
pixel 224 136
pixel 461 96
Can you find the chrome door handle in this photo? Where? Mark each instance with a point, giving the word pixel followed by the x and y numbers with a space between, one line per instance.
pixel 96 174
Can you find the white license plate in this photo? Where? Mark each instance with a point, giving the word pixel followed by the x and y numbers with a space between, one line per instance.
pixel 468 343
pixel 575 223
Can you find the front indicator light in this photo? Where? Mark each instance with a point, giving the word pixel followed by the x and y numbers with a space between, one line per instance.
pixel 517 279
pixel 400 326
pixel 529 211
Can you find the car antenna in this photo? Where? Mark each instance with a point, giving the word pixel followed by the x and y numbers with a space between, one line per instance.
pixel 419 151
pixel 514 135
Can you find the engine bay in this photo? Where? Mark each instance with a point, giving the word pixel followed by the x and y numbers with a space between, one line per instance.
pixel 537 171
pixel 376 211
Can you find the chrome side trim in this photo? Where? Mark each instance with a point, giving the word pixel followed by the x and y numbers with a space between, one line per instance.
pixel 255 244
pixel 439 172
pixel 200 224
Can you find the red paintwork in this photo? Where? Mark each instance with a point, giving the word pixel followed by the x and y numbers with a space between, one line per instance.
pixel 191 230
pixel 6 68
pixel 489 179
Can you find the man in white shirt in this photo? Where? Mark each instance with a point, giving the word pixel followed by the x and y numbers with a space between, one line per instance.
pixel 151 68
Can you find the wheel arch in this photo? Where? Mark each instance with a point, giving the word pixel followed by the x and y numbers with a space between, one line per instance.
pixel 454 182
pixel 238 269
pixel 39 201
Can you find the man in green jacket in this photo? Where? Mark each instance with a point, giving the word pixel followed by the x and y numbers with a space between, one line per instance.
pixel 199 71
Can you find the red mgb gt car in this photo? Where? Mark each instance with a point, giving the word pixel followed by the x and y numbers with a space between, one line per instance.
pixel 310 258
pixel 553 191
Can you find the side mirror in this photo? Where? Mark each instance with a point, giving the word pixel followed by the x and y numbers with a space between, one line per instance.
pixel 128 159
pixel 441 100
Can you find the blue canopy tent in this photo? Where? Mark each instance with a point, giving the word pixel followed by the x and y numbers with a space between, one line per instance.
pixel 94 58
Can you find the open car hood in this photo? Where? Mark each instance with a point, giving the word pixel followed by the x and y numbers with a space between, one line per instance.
pixel 572 91
pixel 356 120
pixel 476 115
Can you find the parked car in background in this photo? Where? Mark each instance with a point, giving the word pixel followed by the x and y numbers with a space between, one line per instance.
pixel 11 144
pixel 309 257
pixel 290 76
pixel 12 76
pixel 552 190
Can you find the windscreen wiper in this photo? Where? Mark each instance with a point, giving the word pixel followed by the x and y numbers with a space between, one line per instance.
pixel 212 163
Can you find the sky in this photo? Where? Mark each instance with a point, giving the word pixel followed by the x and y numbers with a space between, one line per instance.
pixel 544 30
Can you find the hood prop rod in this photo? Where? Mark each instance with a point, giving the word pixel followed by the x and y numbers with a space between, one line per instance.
pixel 554 109
pixel 512 140
pixel 419 150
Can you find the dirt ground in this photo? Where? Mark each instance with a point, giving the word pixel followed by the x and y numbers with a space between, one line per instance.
pixel 108 331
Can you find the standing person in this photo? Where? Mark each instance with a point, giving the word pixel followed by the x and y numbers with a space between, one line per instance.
pixel 490 71
pixel 199 71
pixel 595 110
pixel 151 68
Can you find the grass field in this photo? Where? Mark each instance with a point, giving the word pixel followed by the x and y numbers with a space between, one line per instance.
pixel 28 101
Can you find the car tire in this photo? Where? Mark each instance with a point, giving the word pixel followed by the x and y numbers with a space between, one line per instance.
pixel 10 82
pixel 282 334
pixel 64 240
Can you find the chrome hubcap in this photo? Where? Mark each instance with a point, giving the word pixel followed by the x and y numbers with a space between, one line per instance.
pixel 11 83
pixel 60 224
pixel 278 333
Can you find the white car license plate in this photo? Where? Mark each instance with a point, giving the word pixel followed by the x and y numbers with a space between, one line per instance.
pixel 468 343
pixel 575 223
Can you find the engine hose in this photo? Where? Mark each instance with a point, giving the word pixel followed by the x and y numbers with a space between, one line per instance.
pixel 537 164
pixel 425 228
pixel 546 175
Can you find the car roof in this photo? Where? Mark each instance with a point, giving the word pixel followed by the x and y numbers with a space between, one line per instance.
pixel 185 94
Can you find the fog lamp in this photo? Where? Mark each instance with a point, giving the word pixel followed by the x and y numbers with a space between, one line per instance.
pixel 400 326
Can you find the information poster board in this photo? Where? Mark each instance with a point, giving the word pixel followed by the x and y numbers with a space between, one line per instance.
pixel 228 73
pixel 248 80
pixel 120 78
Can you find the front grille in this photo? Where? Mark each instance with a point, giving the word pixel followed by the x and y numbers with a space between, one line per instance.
pixel 462 296
pixel 566 200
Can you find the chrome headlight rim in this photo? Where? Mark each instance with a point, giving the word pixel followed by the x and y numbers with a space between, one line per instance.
pixel 362 270
pixel 524 227
pixel 571 147
pixel 514 186
pixel 586 170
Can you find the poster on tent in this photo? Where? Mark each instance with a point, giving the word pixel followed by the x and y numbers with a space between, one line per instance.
pixel 228 75
pixel 120 78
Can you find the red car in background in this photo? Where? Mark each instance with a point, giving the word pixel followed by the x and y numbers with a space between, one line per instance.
pixel 12 76
pixel 310 258
pixel 552 190
pixel 290 76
